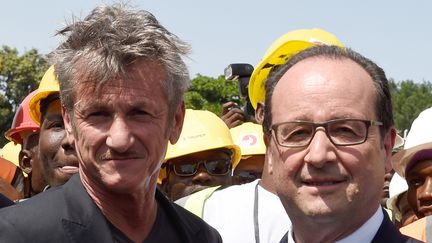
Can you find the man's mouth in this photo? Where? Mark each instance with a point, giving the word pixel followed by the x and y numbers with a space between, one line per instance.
pixel 426 210
pixel 68 169
pixel 324 182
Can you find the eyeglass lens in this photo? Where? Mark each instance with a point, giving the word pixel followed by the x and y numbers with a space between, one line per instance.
pixel 213 167
pixel 340 132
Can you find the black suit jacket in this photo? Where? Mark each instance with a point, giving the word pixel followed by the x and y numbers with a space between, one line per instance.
pixel 68 214
pixel 4 201
pixel 387 233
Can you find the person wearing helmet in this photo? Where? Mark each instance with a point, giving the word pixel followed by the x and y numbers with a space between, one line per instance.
pixel 255 205
pixel 59 160
pixel 25 132
pixel 249 137
pixel 414 163
pixel 202 158
pixel 402 213
pixel 399 141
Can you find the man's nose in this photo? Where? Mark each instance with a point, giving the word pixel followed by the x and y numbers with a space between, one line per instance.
pixel 120 136
pixel 425 193
pixel 320 150
pixel 202 177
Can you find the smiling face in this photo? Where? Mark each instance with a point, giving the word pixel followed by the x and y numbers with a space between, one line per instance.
pixel 58 157
pixel 419 180
pixel 121 134
pixel 322 182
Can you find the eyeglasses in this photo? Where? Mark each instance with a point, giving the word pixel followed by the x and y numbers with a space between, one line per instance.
pixel 214 167
pixel 341 132
pixel 246 176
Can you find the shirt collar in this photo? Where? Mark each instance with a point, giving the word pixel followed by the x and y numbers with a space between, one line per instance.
pixel 363 234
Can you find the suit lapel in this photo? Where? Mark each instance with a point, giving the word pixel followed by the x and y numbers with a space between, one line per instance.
pixel 83 221
pixel 387 232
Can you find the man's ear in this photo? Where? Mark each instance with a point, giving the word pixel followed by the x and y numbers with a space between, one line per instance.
pixel 268 155
pixel 67 121
pixel 389 141
pixel 259 112
pixel 25 161
pixel 177 124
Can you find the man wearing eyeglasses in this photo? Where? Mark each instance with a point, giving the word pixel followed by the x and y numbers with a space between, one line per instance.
pixel 329 134
pixel 202 157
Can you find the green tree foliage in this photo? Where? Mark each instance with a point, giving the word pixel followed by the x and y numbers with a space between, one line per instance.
pixel 208 93
pixel 19 75
pixel 409 99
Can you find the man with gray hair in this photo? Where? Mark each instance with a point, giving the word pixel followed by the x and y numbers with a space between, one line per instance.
pixel 122 82
pixel 329 134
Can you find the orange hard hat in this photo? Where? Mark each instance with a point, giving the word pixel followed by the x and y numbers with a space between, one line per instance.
pixel 7 170
pixel 22 122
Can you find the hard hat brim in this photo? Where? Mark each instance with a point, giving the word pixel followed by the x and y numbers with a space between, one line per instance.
pixel 404 160
pixel 34 105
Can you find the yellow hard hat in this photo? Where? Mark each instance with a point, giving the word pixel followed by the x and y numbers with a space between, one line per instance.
pixel 280 51
pixel 202 130
pixel 48 85
pixel 11 152
pixel 249 137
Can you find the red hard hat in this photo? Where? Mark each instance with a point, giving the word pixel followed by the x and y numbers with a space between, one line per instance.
pixel 22 121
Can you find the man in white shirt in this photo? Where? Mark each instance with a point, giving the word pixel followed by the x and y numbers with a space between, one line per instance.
pixel 252 212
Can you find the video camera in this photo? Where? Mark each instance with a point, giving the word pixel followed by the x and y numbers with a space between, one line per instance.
pixel 242 73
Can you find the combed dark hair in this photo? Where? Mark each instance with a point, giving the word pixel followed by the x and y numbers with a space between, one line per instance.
pixel 100 48
pixel 383 105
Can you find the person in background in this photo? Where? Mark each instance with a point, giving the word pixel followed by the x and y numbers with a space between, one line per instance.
pixel 249 137
pixel 25 132
pixel 399 141
pixel 202 158
pixel 55 151
pixel 402 213
pixel 122 81
pixel 255 205
pixel 414 163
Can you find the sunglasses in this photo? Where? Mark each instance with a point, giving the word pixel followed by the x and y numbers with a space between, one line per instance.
pixel 215 167
pixel 246 176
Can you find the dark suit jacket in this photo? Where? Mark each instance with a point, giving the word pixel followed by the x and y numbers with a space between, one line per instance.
pixel 68 214
pixel 4 201
pixel 387 233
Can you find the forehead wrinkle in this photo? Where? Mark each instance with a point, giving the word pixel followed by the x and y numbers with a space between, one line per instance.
pixel 316 82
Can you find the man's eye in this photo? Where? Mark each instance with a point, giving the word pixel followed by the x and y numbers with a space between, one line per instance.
pixel 56 124
pixel 344 131
pixel 416 182
pixel 297 135
pixel 138 113
pixel 98 114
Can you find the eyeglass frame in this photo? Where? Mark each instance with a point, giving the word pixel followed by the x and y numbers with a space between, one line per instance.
pixel 368 124
pixel 198 163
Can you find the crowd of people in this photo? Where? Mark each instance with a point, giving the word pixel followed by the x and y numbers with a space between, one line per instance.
pixel 105 149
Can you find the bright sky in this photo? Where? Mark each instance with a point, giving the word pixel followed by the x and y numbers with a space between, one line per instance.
pixel 396 34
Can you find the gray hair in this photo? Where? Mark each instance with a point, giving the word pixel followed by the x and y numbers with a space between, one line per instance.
pixel 100 48
pixel 383 103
